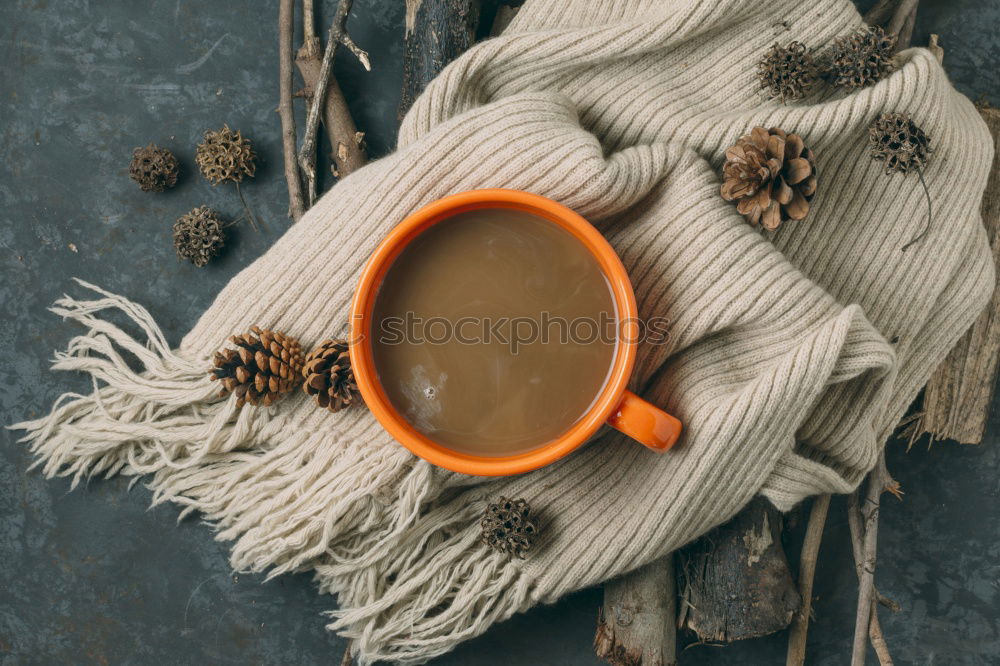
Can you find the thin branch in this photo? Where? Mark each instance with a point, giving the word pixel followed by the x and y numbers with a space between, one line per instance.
pixel 308 22
pixel 906 31
pixel 338 36
pixel 899 17
pixel 934 47
pixel 880 12
pixel 875 634
pixel 349 152
pixel 505 14
pixel 347 659
pixel 807 571
pixel 286 18
pixel 863 521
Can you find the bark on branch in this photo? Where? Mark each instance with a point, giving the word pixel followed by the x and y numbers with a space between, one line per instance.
pixel 437 32
pixel 636 626
pixel 338 36
pixel 807 572
pixel 864 517
pixel 286 17
pixel 736 580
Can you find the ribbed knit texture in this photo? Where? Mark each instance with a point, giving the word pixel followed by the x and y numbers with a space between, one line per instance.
pixel 791 355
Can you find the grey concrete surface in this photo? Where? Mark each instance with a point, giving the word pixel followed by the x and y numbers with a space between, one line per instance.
pixel 92 576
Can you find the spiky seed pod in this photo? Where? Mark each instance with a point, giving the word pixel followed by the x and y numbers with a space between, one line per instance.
pixel 329 377
pixel 787 72
pixel 264 366
pixel 225 155
pixel 896 140
pixel 507 527
pixel 199 235
pixel 154 168
pixel 771 175
pixel 860 59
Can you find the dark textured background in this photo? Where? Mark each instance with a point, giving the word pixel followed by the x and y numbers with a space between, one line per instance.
pixel 92 576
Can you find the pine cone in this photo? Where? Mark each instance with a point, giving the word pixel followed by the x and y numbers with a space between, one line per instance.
pixel 264 366
pixel 225 155
pixel 507 527
pixel 771 175
pixel 154 168
pixel 329 377
pixel 787 72
pixel 199 236
pixel 861 59
pixel 897 141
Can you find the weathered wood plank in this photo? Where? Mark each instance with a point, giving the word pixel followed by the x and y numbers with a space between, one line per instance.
pixel 958 396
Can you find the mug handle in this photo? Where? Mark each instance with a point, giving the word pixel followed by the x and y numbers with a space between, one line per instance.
pixel 645 423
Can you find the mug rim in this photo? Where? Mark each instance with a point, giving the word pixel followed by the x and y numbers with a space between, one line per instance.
pixel 362 355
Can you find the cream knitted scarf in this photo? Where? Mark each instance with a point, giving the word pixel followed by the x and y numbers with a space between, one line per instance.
pixel 791 355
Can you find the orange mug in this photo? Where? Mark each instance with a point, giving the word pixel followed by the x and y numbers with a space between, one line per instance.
pixel 616 406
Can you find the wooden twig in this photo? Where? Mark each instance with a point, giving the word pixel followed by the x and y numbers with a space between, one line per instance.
pixel 286 17
pixel 807 571
pixel 636 626
pixel 880 12
pixel 437 32
pixel 736 579
pixel 900 16
pixel 935 48
pixel 505 14
pixel 867 515
pixel 308 22
pixel 875 634
pixel 959 394
pixel 897 16
pixel 337 37
pixel 349 152
pixel 906 31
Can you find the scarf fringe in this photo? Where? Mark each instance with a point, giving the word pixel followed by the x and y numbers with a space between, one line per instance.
pixel 411 576
pixel 165 413
pixel 310 497
pixel 438 586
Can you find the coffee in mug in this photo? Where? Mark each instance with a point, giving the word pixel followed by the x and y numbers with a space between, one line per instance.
pixel 493 331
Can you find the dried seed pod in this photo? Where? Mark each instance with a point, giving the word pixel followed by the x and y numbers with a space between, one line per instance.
pixel 771 175
pixel 154 168
pixel 264 366
pixel 199 235
pixel 860 59
pixel 787 72
pixel 225 155
pixel 328 375
pixel 896 140
pixel 507 527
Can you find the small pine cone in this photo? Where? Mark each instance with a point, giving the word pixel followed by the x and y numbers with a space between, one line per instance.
pixel 897 141
pixel 264 366
pixel 507 527
pixel 199 236
pixel 861 59
pixel 787 72
pixel 154 168
pixel 771 175
pixel 225 155
pixel 329 377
